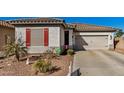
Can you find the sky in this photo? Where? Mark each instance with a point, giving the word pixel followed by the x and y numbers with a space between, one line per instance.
pixel 115 22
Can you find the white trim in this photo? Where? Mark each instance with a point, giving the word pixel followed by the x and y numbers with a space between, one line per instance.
pixel 92 33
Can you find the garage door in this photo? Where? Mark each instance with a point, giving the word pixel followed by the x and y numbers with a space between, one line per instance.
pixel 91 42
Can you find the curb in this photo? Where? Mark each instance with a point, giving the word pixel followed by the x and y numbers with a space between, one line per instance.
pixel 70 68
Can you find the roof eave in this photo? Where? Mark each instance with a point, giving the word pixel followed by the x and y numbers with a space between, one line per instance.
pixel 15 24
pixel 95 30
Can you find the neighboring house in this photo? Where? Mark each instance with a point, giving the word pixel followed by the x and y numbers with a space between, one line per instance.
pixel 40 34
pixel 7 33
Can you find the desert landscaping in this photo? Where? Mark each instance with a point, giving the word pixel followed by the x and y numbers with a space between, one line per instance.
pixel 9 67
pixel 16 61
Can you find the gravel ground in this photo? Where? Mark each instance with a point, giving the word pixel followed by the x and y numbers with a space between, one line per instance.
pixel 10 68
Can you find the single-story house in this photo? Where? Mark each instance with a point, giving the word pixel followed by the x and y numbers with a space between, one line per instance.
pixel 7 33
pixel 87 37
pixel 41 34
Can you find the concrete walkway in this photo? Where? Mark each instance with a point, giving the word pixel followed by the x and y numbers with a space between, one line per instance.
pixel 99 63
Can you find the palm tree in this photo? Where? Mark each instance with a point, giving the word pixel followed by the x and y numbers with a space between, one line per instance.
pixel 16 49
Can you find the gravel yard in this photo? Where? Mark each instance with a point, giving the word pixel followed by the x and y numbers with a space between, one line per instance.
pixel 10 68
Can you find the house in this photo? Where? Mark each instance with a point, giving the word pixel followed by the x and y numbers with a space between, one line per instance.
pixel 7 33
pixel 41 34
pixel 88 37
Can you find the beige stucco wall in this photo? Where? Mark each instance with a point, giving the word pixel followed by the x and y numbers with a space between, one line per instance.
pixel 70 38
pixel 109 34
pixel 6 31
pixel 54 38
pixel 62 38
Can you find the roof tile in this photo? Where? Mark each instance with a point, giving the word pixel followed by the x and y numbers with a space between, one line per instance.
pixel 87 27
pixel 5 24
pixel 37 21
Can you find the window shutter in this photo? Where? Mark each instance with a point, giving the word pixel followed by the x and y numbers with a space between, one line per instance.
pixel 46 36
pixel 28 37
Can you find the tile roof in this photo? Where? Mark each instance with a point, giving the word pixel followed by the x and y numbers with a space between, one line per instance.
pixel 88 27
pixel 70 26
pixel 50 20
pixel 5 24
pixel 39 20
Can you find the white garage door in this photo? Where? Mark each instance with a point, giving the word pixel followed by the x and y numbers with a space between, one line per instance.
pixel 88 42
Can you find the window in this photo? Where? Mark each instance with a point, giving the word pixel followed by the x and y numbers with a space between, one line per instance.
pixel 37 37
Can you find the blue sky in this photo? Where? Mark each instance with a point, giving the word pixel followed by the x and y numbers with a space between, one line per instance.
pixel 116 22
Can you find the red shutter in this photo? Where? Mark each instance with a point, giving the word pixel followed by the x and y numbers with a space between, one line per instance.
pixel 46 36
pixel 28 37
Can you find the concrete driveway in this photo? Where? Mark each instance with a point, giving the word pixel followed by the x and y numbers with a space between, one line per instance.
pixel 99 63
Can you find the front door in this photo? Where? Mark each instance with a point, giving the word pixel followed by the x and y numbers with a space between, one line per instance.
pixel 66 36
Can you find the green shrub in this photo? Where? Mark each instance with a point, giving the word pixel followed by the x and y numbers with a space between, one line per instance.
pixel 58 51
pixel 42 66
pixel 70 52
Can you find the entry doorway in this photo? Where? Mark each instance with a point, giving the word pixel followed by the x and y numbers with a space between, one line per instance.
pixel 66 37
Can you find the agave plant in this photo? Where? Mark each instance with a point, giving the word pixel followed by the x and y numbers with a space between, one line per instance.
pixel 42 66
pixel 16 49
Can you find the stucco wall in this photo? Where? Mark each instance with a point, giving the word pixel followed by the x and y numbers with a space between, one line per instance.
pixel 6 31
pixel 109 34
pixel 20 32
pixel 62 38
pixel 70 38
pixel 54 38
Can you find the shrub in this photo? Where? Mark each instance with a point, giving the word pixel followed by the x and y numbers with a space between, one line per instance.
pixel 70 52
pixel 49 54
pixel 16 49
pixel 58 51
pixel 49 51
pixel 42 66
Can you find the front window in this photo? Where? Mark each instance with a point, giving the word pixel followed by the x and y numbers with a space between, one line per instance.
pixel 37 37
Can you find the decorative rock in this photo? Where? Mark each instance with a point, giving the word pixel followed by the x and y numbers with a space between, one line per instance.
pixel 27 61
pixel 9 64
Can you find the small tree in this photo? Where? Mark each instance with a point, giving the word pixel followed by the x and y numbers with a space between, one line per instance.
pixel 119 33
pixel 16 49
